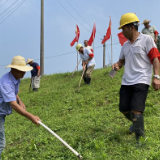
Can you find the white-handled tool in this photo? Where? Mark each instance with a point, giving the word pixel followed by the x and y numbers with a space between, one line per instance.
pixel 59 138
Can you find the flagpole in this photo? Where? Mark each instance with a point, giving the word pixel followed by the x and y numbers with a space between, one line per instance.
pixel 77 59
pixel 111 46
pixel 111 52
pixel 93 41
pixel 93 46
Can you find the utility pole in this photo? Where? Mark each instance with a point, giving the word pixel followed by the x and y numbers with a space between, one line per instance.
pixel 111 52
pixel 104 54
pixel 42 39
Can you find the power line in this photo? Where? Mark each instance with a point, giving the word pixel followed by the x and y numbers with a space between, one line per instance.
pixel 81 16
pixel 58 55
pixel 13 11
pixel 65 53
pixel 4 3
pixel 84 19
pixel 8 8
pixel 74 17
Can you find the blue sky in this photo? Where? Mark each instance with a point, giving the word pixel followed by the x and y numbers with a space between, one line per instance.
pixel 20 32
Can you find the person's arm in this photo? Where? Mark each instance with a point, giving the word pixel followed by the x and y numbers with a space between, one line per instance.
pixel 156 37
pixel 83 64
pixel 154 57
pixel 20 102
pixel 89 59
pixel 24 113
pixel 119 64
pixel 156 34
pixel 156 82
pixel 121 61
pixel 91 55
pixel 38 73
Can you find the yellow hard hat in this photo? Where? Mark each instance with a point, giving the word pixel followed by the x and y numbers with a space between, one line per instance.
pixel 78 46
pixel 128 18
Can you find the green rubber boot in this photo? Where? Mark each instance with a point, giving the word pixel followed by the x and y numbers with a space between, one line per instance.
pixel 138 124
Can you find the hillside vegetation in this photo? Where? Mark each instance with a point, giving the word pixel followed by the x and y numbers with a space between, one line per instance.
pixel 89 120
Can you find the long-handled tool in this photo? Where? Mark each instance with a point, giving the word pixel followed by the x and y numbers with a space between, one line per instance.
pixel 30 86
pixel 76 68
pixel 81 79
pixel 59 138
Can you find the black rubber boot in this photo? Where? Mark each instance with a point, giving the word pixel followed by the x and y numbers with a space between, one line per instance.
pixel 88 80
pixel 84 78
pixel 138 124
pixel 129 117
pixel 36 89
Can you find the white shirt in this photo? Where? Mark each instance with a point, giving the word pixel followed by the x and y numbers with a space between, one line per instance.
pixel 85 57
pixel 138 68
pixel 149 31
pixel 89 47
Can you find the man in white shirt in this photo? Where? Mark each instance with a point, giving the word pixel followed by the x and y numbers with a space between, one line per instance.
pixel 88 62
pixel 138 54
pixel 150 30
pixel 87 46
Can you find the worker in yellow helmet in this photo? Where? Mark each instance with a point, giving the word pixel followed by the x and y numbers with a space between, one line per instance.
pixel 140 56
pixel 88 62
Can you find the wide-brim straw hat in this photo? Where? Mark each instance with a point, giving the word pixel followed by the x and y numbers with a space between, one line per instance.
pixel 146 21
pixel 19 63
pixel 29 60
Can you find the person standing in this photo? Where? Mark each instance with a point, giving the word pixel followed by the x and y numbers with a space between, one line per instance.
pixel 9 99
pixel 87 46
pixel 35 74
pixel 150 30
pixel 88 62
pixel 140 56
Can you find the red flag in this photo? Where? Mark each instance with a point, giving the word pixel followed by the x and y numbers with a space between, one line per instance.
pixel 108 34
pixel 92 35
pixel 122 38
pixel 77 36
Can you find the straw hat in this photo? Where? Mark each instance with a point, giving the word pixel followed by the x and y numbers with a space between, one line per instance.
pixel 146 21
pixel 19 63
pixel 29 60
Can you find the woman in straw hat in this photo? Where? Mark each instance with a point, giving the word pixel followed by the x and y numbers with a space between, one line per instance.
pixel 35 74
pixel 9 99
pixel 150 30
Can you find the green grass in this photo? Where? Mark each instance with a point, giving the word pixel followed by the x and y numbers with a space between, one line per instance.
pixel 88 120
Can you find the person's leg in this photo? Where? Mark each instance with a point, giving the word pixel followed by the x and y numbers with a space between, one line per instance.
pixel 89 73
pixel 2 135
pixel 85 76
pixel 37 83
pixel 140 92
pixel 125 101
pixel 32 84
pixel 126 93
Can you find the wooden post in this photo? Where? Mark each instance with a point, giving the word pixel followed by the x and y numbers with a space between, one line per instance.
pixel 104 54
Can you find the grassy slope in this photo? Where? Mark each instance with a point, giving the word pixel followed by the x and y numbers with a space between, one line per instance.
pixel 88 120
